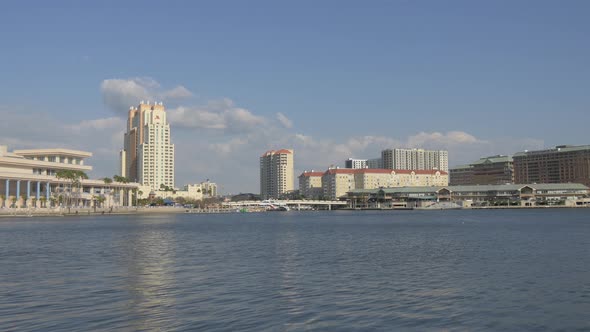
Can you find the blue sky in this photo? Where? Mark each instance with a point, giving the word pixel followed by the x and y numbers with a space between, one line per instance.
pixel 348 78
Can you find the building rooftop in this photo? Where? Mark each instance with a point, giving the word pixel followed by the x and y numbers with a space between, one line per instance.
pixel 312 174
pixel 53 152
pixel 381 171
pixel 493 159
pixel 475 188
pixel 557 149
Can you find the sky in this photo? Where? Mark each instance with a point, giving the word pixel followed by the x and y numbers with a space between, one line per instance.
pixel 330 79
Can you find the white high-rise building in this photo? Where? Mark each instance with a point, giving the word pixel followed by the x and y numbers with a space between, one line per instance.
pixel 415 159
pixel 276 173
pixel 148 156
pixel 355 163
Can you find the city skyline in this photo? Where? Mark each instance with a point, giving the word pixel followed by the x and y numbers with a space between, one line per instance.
pixel 335 82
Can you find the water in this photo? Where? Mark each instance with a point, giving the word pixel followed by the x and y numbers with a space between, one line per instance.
pixel 345 271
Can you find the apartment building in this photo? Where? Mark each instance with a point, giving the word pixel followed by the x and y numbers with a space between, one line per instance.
pixel 310 184
pixel 355 163
pixel 415 159
pixel 276 173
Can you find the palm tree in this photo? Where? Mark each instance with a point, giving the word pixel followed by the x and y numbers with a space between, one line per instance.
pixel 100 200
pixel 73 180
pixel 120 179
pixel 43 200
pixel 3 198
pixel 108 181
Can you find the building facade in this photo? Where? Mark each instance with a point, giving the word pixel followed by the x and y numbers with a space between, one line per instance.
pixel 374 163
pixel 488 170
pixel 276 173
pixel 148 155
pixel 561 164
pixel 565 194
pixel 29 178
pixel 461 175
pixel 310 184
pixel 337 182
pixel 415 159
pixel 355 163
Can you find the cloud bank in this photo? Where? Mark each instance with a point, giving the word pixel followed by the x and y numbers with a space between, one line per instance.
pixel 222 141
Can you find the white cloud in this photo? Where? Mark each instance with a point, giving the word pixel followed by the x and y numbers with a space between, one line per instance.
pixel 217 115
pixel 120 94
pixel 178 92
pixel 284 120
pixel 98 124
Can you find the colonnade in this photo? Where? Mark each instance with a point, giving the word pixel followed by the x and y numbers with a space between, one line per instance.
pixel 15 193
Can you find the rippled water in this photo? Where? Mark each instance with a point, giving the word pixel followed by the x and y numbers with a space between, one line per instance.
pixel 405 270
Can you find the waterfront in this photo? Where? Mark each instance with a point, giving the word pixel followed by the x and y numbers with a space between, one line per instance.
pixel 342 270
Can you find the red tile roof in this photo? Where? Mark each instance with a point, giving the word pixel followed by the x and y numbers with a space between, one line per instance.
pixel 312 174
pixel 419 171
pixel 381 171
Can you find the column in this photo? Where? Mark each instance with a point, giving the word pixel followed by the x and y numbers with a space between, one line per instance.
pixel 7 188
pixel 47 192
pixel 17 192
pixel 38 196
pixel 28 192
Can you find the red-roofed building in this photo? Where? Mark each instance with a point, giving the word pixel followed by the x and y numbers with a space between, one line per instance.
pixel 336 182
pixel 310 184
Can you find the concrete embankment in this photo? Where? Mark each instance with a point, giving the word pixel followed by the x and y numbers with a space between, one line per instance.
pixel 65 212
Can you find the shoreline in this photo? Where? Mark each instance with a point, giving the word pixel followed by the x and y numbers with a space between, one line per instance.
pixel 29 213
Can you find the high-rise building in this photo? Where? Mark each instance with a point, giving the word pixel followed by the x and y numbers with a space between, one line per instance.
pixel 415 159
pixel 355 163
pixel 562 164
pixel 148 155
pixel 276 173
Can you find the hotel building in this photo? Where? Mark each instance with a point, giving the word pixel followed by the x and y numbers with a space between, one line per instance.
pixel 28 179
pixel 561 164
pixel 488 170
pixel 415 159
pixel 148 155
pixel 310 184
pixel 276 173
pixel 336 182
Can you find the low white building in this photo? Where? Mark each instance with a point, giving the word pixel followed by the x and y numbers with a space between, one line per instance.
pixel 28 179
pixel 196 191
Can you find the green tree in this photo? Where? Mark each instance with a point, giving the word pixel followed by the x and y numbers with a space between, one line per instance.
pixel 120 179
pixel 72 185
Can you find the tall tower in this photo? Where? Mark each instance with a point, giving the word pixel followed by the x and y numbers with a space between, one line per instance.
pixel 148 155
pixel 276 173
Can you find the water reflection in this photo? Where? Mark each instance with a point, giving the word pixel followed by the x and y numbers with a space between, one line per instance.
pixel 150 280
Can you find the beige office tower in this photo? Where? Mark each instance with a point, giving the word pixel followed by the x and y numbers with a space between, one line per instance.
pixel 276 173
pixel 148 156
